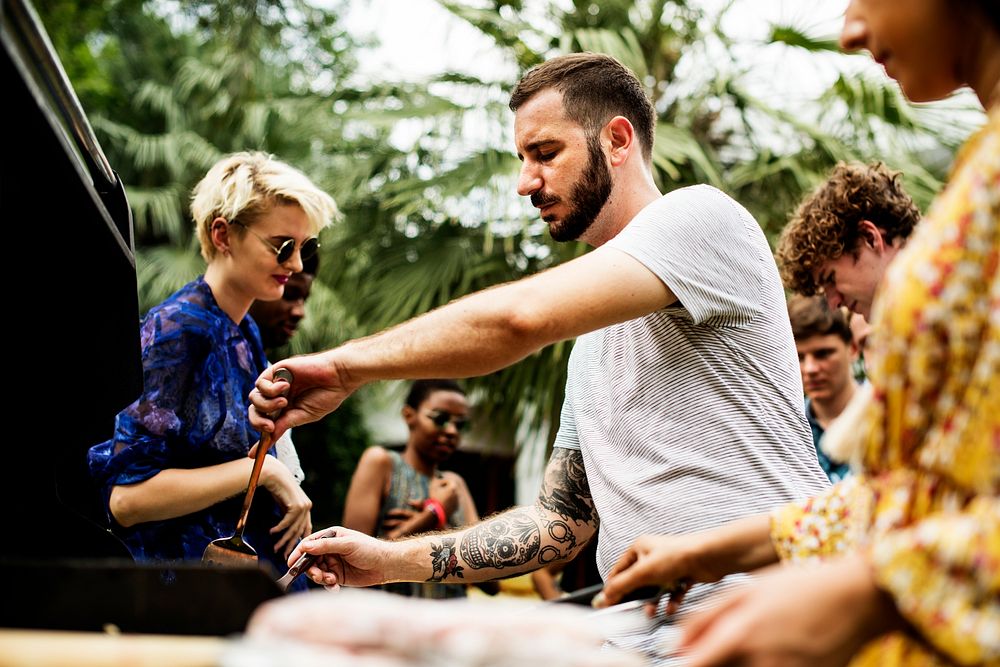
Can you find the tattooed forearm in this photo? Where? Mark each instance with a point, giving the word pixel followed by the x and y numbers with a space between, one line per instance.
pixel 525 538
pixel 565 542
pixel 444 561
pixel 508 540
pixel 565 490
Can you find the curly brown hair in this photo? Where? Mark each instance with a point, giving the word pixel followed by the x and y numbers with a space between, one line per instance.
pixel 826 224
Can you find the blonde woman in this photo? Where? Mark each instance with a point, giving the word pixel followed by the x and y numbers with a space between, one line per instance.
pixel 174 471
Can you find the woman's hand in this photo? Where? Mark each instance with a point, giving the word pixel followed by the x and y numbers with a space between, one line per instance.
pixel 445 491
pixel 395 518
pixel 297 522
pixel 658 560
pixel 798 615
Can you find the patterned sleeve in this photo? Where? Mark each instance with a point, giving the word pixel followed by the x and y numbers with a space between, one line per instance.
pixel 944 574
pixel 824 525
pixel 145 431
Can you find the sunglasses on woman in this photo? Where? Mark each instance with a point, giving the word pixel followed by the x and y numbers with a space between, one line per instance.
pixel 441 420
pixel 285 250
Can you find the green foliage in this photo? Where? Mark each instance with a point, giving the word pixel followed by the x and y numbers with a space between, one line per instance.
pixel 170 88
pixel 431 214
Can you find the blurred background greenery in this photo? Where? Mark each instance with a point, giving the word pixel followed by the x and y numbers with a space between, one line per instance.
pixel 424 170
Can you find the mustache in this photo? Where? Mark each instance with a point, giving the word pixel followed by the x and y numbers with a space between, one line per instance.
pixel 538 200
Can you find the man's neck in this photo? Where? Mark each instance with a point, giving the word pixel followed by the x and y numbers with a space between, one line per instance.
pixel 825 411
pixel 629 197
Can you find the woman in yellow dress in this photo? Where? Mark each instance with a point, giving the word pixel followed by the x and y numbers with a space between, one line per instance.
pixel 899 565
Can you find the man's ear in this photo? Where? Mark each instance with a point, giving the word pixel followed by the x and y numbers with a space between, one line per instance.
pixel 621 136
pixel 218 232
pixel 872 236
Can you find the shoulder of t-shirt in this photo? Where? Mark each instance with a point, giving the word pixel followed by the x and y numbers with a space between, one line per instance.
pixel 693 203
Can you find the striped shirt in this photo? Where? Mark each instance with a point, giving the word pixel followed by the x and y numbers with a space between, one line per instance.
pixel 691 416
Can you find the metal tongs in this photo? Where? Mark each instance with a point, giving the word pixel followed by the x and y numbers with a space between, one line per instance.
pixel 303 563
pixel 636 599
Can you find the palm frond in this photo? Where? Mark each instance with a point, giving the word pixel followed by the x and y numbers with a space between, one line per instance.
pixel 797 37
pixel 622 45
pixel 157 212
pixel 506 33
pixel 676 146
pixel 163 270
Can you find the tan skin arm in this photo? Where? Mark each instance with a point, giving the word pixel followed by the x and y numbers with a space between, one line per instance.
pixel 555 528
pixel 475 335
pixel 544 581
pixel 176 492
pixel 703 557
pixel 465 500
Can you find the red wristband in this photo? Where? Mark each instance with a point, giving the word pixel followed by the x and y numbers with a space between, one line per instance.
pixel 438 509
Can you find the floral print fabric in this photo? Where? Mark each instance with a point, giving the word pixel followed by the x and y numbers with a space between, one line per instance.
pixel 927 442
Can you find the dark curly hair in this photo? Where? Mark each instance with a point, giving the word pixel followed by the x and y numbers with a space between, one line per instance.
pixel 826 224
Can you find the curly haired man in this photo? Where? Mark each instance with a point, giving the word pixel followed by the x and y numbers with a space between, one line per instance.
pixel 845 234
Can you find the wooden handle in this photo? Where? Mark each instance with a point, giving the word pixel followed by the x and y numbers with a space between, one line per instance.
pixel 263 447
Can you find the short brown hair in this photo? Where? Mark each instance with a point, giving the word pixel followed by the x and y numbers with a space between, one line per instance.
pixel 595 89
pixel 826 224
pixel 812 316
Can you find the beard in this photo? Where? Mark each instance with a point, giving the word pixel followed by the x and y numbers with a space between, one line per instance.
pixel 586 199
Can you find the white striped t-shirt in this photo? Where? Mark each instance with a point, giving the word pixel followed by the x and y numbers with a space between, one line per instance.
pixel 691 416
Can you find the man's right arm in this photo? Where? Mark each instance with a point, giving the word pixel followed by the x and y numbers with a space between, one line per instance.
pixel 522 539
pixel 475 335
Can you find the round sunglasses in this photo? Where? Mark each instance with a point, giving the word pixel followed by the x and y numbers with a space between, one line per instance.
pixel 285 250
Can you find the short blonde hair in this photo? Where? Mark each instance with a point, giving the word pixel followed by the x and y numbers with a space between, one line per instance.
pixel 245 186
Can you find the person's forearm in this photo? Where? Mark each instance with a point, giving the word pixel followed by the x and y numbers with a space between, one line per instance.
pixel 178 491
pixel 495 328
pixel 739 546
pixel 554 529
pixel 517 541
pixel 476 335
pixel 545 584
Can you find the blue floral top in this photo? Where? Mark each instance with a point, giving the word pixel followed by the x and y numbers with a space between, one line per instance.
pixel 198 370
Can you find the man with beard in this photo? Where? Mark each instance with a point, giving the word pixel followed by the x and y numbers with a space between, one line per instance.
pixel 683 402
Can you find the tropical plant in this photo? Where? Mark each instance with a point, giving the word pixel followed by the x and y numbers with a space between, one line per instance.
pixel 170 88
pixel 440 219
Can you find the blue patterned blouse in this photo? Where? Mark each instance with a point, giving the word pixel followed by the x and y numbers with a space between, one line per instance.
pixel 198 370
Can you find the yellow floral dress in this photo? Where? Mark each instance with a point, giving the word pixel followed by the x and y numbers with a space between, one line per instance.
pixel 925 507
